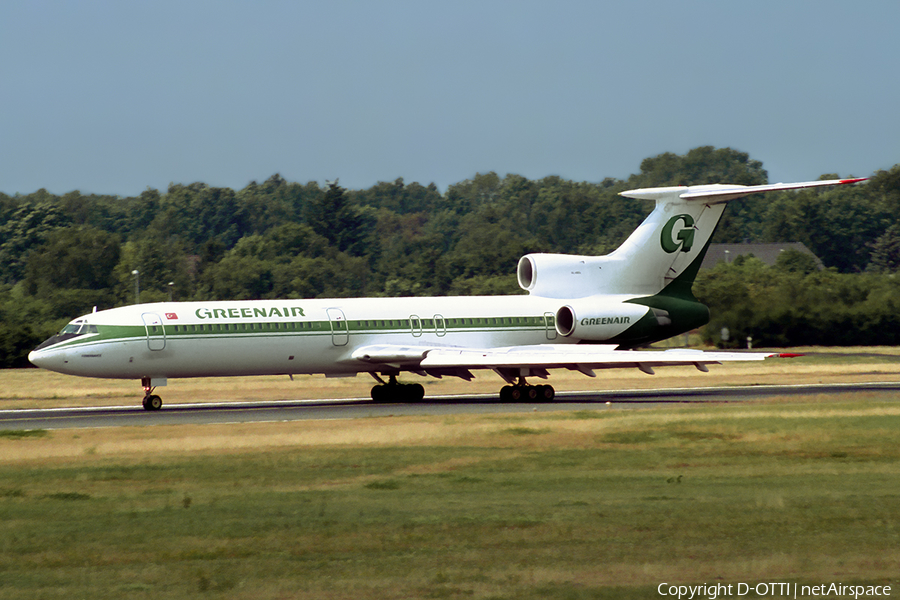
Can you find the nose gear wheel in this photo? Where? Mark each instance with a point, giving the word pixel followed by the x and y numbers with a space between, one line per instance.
pixel 151 400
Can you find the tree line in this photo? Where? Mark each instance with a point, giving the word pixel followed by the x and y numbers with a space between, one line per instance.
pixel 61 255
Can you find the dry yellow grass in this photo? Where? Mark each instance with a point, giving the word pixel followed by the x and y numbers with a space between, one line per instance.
pixel 556 430
pixel 33 388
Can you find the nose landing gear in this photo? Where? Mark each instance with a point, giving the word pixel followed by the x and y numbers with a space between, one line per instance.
pixel 151 400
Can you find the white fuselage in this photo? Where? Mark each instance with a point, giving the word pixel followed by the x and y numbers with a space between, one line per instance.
pixel 269 337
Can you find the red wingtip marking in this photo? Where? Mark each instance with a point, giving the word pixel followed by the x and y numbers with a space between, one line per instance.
pixel 789 355
pixel 855 180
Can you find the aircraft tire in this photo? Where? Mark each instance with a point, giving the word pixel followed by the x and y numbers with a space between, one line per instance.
pixel 152 402
pixel 416 392
pixel 546 393
pixel 379 393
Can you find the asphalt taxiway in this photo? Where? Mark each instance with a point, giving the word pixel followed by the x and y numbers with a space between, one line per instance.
pixel 280 411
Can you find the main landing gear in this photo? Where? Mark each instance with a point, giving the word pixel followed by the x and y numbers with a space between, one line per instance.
pixel 523 391
pixel 392 391
pixel 151 400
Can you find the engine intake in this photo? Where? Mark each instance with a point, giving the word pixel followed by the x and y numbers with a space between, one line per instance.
pixel 559 275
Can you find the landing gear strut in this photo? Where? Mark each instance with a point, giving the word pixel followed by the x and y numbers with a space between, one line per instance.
pixel 524 391
pixel 392 391
pixel 151 400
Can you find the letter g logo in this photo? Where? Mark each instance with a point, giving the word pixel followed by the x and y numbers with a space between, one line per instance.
pixel 685 237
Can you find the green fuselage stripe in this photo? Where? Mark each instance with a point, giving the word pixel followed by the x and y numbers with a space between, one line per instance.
pixel 412 327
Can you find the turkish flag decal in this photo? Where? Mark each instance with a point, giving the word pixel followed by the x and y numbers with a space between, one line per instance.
pixel 171 316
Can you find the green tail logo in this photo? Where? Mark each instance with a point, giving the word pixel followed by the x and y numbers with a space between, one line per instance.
pixel 685 237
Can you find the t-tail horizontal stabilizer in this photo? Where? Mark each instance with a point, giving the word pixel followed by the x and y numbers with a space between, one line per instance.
pixel 719 192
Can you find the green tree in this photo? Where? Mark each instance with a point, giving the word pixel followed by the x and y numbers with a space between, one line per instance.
pixel 74 267
pixel 266 205
pixel 839 224
pixel 158 262
pixel 198 214
pixel 345 225
pixel 25 321
pixel 886 251
pixel 794 261
pixel 399 198
pixel 700 166
pixel 27 227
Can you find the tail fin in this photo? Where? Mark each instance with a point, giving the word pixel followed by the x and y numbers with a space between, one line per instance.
pixel 663 253
pixel 667 248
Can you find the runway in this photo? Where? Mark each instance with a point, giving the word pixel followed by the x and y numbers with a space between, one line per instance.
pixel 299 410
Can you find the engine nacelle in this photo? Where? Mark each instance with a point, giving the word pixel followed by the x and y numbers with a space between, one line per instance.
pixel 598 321
pixel 560 275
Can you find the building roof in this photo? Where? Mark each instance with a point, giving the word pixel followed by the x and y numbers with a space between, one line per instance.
pixel 768 253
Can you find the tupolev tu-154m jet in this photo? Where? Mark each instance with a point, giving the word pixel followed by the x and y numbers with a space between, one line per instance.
pixel 581 313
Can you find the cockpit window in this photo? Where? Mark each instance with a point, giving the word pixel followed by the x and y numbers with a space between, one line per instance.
pixel 78 328
pixel 73 329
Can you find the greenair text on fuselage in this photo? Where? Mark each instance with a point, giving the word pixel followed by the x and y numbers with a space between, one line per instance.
pixel 249 313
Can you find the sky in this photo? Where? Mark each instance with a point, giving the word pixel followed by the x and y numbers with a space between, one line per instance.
pixel 114 97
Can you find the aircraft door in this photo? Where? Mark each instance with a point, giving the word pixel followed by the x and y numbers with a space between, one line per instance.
pixel 340 329
pixel 550 325
pixel 440 325
pixel 156 331
pixel 415 324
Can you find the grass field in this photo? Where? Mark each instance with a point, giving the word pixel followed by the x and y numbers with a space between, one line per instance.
pixel 605 503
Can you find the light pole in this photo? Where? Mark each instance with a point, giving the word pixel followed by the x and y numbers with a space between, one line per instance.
pixel 171 285
pixel 137 286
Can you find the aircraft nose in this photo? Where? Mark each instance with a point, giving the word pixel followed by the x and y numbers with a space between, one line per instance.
pixel 38 359
pixel 50 360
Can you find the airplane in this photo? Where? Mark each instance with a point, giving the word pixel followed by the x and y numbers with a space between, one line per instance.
pixel 581 313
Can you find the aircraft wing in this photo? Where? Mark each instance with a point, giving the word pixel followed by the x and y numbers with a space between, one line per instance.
pixel 511 362
pixel 581 358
